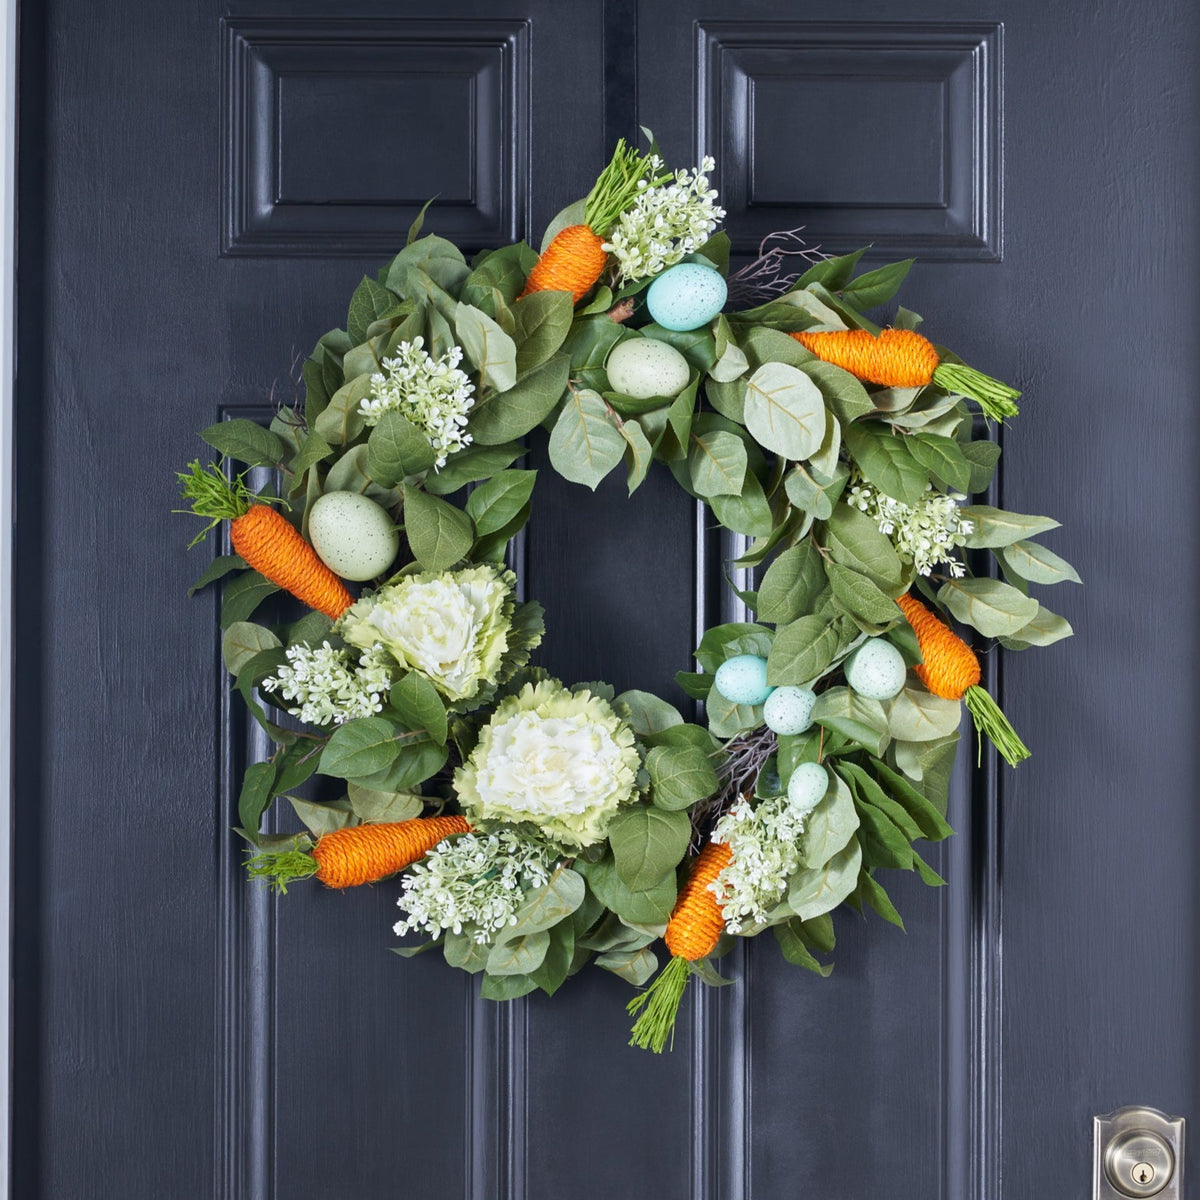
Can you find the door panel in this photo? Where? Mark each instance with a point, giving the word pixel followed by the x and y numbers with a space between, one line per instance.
pixel 181 1033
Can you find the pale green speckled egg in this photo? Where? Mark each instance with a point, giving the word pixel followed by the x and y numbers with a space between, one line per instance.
pixel 743 680
pixel 687 296
pixel 807 786
pixel 353 536
pixel 788 709
pixel 642 367
pixel 876 670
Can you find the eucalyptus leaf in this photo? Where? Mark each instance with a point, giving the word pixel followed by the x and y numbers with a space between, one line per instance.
pixel 996 609
pixel 1045 629
pixel 419 707
pixel 717 462
pixel 943 458
pixel 242 596
pixel 813 491
pixel 638 453
pixel 916 715
pixel 470 464
pixel 646 713
pixel 320 819
pixel 372 805
pixel 1037 564
pixel 440 534
pixel 876 287
pixel 220 566
pixel 856 717
pixel 650 907
pixel 846 397
pixel 340 421
pixel 634 966
pixel 497 501
pixel 585 444
pixel 490 349
pixel 360 748
pixel 791 584
pixel 854 540
pixel 804 649
pixel 547 905
pixel 397 448
pixel 255 794
pixel 829 827
pixel 747 512
pixel 518 955
pixel 785 411
pixel 543 322
pixel 995 527
pixel 859 596
pixel 246 441
pixel 887 461
pixel 512 414
pixel 648 844
pixel 242 641
pixel 816 890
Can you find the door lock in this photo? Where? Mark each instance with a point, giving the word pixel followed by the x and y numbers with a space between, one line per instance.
pixel 1138 1153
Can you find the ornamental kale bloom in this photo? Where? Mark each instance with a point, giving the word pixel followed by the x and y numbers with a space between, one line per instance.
pixel 665 223
pixel 432 393
pixel 926 535
pixel 475 882
pixel 332 685
pixel 451 626
pixel 562 760
pixel 765 843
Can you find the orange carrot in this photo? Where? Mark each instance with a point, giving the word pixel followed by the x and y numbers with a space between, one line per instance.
pixel 951 670
pixel 692 933
pixel 575 257
pixel 359 854
pixel 904 358
pixel 264 539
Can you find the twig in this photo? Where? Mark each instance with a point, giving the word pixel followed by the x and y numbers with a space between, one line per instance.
pixel 744 758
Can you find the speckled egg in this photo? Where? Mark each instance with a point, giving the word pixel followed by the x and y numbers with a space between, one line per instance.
pixel 642 367
pixel 743 680
pixel 353 536
pixel 788 709
pixel 876 670
pixel 687 296
pixel 807 786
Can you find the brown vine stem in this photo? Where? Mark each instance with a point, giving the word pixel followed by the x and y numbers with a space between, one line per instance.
pixel 744 758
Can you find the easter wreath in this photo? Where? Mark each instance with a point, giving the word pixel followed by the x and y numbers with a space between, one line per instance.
pixel 535 825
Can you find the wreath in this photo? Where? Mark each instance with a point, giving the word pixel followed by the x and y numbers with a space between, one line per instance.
pixel 535 825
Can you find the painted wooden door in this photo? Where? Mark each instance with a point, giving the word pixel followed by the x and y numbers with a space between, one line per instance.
pixel 201 187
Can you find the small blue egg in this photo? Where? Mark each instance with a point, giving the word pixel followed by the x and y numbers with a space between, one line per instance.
pixel 687 296
pixel 788 710
pixel 807 786
pixel 877 670
pixel 743 680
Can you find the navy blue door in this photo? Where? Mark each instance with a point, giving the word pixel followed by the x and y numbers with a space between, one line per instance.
pixel 201 185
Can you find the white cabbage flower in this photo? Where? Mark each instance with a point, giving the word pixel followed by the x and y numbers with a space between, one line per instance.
pixel 451 626
pixel 559 759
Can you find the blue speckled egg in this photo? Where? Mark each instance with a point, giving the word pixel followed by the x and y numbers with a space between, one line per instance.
pixel 876 670
pixel 643 368
pixel 743 680
pixel 687 296
pixel 807 786
pixel 788 709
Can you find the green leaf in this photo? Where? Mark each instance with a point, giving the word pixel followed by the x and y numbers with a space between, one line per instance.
pixel 242 596
pixel 246 441
pixel 650 907
pixel 518 955
pixel 860 597
pixel 502 273
pixel 588 346
pixel 634 966
pixel 680 776
pixel 729 640
pixel 876 287
pixel 995 527
pixel 360 748
pixel 791 584
pixel 882 843
pixel 370 804
pixel 585 444
pixel 916 715
pixel 646 713
pixel 814 492
pixel 506 987
pixel 870 792
pixel 834 273
pixel 547 905
pixel 464 953
pixel 314 450
pixel 432 256
pixel 638 453
pixel 813 891
pixel 371 302
pixel 523 407
pixel 320 819
pixel 887 461
pixel 415 762
pixel 829 827
pixel 748 512
pixel 1044 630
pixel 255 796
pixel 396 449
pixel 440 534
pixel 242 641
pixel 648 844
pixel 870 891
pixel 560 956
pixel 492 351
pixel 982 457
pixel 796 952
pixel 846 397
pixel 943 458
pixel 341 422
pixel 220 566
pixel 861 720
pixel 717 462
pixel 785 411
pixel 1037 564
pixel 543 322
pixel 419 706
pixel 854 540
pixel 495 503
pixel 804 649
pixel 726 719
pixel 994 608
pixel 471 464
pixel 928 818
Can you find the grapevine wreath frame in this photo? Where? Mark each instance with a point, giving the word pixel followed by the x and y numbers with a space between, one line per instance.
pixel 536 826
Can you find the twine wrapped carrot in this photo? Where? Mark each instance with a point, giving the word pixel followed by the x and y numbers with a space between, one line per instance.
pixel 266 541
pixel 904 358
pixel 692 933
pixel 951 670
pixel 357 855
pixel 575 257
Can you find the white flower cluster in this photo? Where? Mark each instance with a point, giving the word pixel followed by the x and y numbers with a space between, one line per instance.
pixel 475 881
pixel 664 223
pixel 331 685
pixel 431 392
pixel 926 535
pixel 765 843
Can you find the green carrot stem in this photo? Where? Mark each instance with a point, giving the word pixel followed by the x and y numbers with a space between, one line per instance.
pixel 996 399
pixel 281 867
pixel 659 1006
pixel 992 723
pixel 617 187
